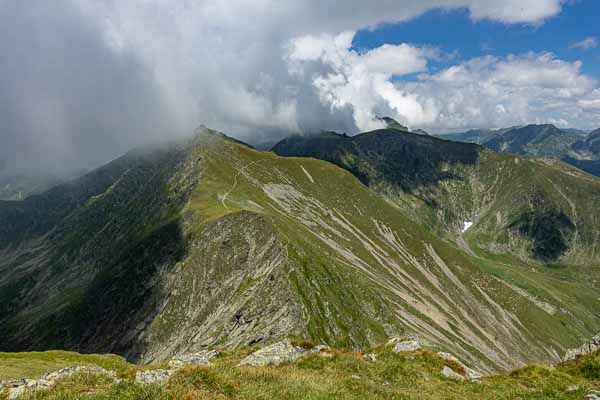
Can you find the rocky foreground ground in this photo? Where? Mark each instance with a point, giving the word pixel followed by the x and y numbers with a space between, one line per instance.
pixel 403 368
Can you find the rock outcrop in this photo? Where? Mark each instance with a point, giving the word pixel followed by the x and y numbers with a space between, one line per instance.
pixel 449 373
pixel 470 373
pixel 18 387
pixel 161 376
pixel 588 348
pixel 153 376
pixel 274 354
pixel 402 345
pixel 201 358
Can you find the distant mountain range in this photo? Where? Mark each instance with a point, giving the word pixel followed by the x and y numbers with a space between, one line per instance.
pixel 573 146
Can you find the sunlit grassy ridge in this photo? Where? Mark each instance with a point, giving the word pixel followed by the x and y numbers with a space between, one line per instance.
pixel 536 210
pixel 339 375
pixel 213 244
pixel 356 279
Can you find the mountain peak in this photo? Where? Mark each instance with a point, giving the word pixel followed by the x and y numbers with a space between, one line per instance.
pixel 421 132
pixel 392 123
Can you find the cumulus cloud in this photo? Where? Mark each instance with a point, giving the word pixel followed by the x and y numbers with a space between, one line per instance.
pixel 490 91
pixel 586 44
pixel 83 81
pixel 482 92
pixel 362 82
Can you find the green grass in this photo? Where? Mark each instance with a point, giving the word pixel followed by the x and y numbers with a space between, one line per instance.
pixel 347 307
pixel 341 279
pixel 334 375
pixel 35 364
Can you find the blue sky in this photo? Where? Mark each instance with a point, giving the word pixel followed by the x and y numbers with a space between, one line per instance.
pixel 454 31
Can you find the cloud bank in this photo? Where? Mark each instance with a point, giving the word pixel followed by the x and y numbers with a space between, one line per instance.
pixel 83 81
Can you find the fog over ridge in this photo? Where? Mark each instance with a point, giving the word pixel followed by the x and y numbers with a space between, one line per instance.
pixel 84 81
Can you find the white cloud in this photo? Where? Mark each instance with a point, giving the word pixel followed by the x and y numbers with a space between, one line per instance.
pixel 112 70
pixel 586 44
pixel 363 81
pixel 489 91
pixel 482 92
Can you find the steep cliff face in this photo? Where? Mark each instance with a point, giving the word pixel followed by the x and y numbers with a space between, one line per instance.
pixel 211 243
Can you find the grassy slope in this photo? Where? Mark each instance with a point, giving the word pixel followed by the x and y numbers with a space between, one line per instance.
pixel 344 375
pixel 261 234
pixel 34 364
pixel 348 306
pixel 444 183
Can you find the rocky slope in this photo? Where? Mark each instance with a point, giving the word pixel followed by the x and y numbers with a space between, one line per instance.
pixel 210 243
pixel 535 210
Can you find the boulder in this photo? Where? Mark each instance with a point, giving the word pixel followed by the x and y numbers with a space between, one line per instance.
pixel 408 345
pixel 370 357
pixel 470 373
pixel 201 358
pixel 153 376
pixel 274 354
pixel 449 373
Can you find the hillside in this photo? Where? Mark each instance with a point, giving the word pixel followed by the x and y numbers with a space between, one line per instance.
pixel 534 210
pixel 572 146
pixel 328 374
pixel 534 141
pixel 588 149
pixel 210 243
pixel 479 136
pixel 18 187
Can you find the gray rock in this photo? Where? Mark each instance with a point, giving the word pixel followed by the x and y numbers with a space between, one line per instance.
pixel 588 348
pixel 70 371
pixel 370 357
pixel 14 388
pixel 274 354
pixel 16 392
pixel 18 387
pixel 592 396
pixel 449 373
pixel 408 345
pixel 471 373
pixel 153 376
pixel 405 338
pixel 201 358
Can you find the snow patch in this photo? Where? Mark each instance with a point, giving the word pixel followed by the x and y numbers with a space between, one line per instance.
pixel 466 225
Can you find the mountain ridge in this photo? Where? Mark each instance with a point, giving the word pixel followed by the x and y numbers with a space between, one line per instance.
pixel 212 243
pixel 572 146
